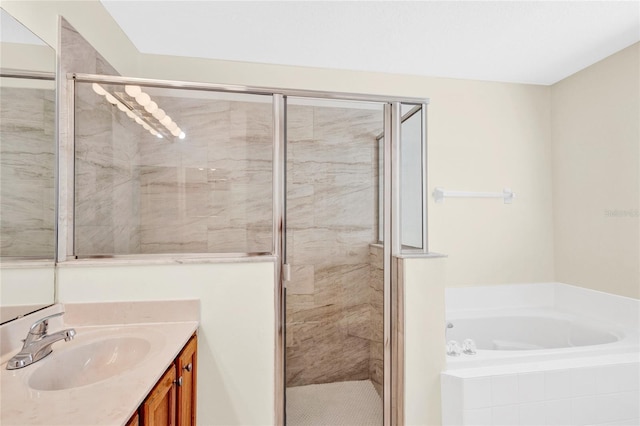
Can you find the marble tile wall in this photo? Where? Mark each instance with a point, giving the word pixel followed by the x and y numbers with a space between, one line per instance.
pixel 99 221
pixel 331 220
pixel 27 164
pixel 210 192
pixel 107 219
pixel 376 294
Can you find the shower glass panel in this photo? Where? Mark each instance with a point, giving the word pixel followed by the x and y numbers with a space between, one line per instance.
pixel 161 170
pixel 334 299
pixel 412 179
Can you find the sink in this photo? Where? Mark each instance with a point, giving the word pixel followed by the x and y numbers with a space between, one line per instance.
pixel 89 363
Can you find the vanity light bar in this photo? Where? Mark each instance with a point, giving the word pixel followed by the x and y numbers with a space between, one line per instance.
pixel 144 100
pixel 127 109
pixel 139 116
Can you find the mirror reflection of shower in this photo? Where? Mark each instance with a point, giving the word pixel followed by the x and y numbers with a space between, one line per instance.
pixel 27 170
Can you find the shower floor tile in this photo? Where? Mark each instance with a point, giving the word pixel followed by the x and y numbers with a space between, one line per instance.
pixel 334 404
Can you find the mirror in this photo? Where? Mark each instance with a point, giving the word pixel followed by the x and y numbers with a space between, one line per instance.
pixel 27 170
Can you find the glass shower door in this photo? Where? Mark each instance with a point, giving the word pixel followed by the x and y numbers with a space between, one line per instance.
pixel 334 298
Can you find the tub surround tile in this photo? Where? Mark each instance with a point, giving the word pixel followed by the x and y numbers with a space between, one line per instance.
pixel 590 388
pixel 583 382
pixel 630 422
pixel 452 402
pixel 531 387
pixel 477 393
pixel 618 378
pixel 618 407
pixel 531 414
pixel 577 399
pixel 584 410
pixel 477 416
pixel 504 389
pixel 507 415
pixel 558 384
pixel 558 412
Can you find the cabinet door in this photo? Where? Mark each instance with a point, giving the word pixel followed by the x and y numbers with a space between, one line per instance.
pixel 160 407
pixel 187 365
pixel 134 421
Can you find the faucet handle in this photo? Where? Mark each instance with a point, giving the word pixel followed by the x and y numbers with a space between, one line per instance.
pixel 40 327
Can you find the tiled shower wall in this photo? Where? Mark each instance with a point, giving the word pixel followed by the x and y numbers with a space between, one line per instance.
pixel 214 187
pixel 107 178
pixel 105 209
pixel 376 298
pixel 331 221
pixel 210 192
pixel 27 160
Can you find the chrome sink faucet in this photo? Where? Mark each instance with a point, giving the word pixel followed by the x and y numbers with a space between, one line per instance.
pixel 38 343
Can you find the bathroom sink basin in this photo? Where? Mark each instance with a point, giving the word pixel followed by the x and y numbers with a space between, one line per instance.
pixel 89 363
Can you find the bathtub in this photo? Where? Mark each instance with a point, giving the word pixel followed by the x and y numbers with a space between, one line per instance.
pixel 534 334
pixel 551 354
pixel 534 331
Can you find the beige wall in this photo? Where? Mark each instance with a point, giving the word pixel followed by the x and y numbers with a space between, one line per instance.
pixel 236 336
pixel 424 283
pixel 89 17
pixel 596 172
pixel 27 57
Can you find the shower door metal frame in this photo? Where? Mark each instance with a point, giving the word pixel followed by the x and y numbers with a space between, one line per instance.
pixel 392 248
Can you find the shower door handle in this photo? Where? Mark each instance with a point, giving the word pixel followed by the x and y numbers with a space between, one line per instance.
pixel 286 272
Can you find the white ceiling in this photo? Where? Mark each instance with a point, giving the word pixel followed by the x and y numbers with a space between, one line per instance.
pixel 525 42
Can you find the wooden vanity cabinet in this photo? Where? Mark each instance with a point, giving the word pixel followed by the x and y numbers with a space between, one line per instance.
pixel 160 406
pixel 135 420
pixel 186 365
pixel 172 402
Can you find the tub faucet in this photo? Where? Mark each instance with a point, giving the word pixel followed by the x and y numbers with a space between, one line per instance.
pixel 447 327
pixel 37 344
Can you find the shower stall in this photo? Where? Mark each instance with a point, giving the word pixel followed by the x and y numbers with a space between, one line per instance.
pixel 331 185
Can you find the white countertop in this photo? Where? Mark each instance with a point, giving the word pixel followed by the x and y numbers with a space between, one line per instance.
pixel 109 402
